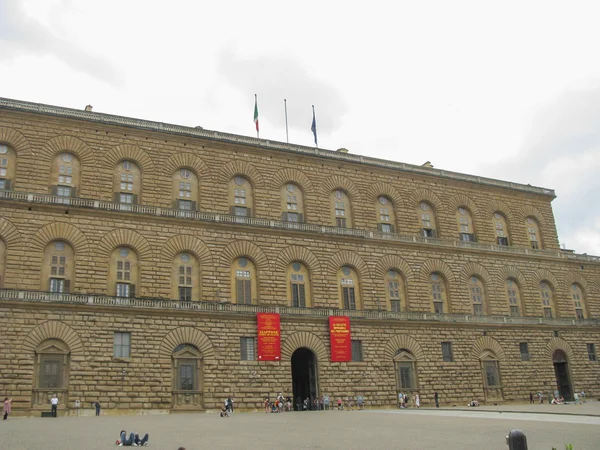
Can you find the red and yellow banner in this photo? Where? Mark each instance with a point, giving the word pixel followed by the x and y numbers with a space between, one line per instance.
pixel 269 336
pixel 339 336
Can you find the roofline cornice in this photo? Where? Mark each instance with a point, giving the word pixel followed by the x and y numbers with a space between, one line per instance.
pixel 110 119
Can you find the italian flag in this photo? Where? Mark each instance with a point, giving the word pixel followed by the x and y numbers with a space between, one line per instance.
pixel 256 112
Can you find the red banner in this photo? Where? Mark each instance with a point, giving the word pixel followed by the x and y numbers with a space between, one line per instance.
pixel 269 337
pixel 339 336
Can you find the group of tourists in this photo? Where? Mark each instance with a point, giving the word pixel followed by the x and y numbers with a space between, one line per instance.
pixel 227 409
pixel 405 398
pixel 134 440
pixel 557 399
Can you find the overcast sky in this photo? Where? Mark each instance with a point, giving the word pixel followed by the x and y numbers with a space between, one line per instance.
pixel 509 90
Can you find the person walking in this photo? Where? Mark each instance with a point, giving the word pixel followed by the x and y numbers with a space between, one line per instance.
pixel 7 407
pixel 54 403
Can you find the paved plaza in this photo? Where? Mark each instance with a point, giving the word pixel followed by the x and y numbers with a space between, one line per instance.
pixel 447 428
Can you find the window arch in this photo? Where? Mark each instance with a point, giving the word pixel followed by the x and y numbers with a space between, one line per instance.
pixel 490 370
pixel 427 220
pixel 438 293
pixel 51 371
pixel 395 291
pixel 65 175
pixel 478 296
pixel 386 214
pixel 58 267
pixel 533 231
pixel 127 184
pixel 123 274
pixel 8 166
pixel 292 203
pixel 241 197
pixel 406 371
pixel 298 285
pixel 578 301
pixel 244 282
pixel 341 209
pixel 187 377
pixel 464 220
pixel 547 299
pixel 2 262
pixel 185 276
pixel 513 297
pixel 349 288
pixel 501 228
pixel 185 189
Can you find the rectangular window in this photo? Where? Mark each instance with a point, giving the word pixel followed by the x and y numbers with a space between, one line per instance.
pixel 406 375
pixel 185 205
pixel 240 211
pixel 244 292
pixel 357 355
pixel 447 352
pixel 186 376
pixel 340 222
pixel 467 237
pixel 491 373
pixel 438 307
pixel 57 285
pixel 122 345
pixel 185 293
pixel 2 184
pixel 50 373
pixel 428 232
pixel 349 298
pixel 386 228
pixel 298 295
pixel 591 348
pixel 126 198
pixel 534 245
pixel 247 349
pixel 63 191
pixel 514 311
pixel 524 348
pixel 123 290
pixel 503 241
pixel 579 314
pixel 548 313
pixel 293 217
pixel 426 220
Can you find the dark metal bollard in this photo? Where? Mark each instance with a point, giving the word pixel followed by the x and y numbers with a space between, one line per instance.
pixel 516 440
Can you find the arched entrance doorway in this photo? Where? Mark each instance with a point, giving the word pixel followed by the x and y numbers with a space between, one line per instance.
pixel 561 370
pixel 304 377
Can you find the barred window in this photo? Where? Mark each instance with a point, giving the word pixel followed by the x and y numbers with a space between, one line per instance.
pixel 122 345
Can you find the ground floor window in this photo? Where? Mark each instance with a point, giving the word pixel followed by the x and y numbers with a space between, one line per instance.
pixel 406 372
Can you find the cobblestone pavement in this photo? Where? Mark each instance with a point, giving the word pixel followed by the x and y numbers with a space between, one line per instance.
pixel 374 429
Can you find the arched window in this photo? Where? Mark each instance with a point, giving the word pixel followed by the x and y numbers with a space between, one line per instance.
pixel 292 203
pixel 58 267
pixel 8 166
pixel 341 209
pixel 406 371
pixel 2 262
pixel 578 301
pixel 533 231
pixel 427 220
pixel 187 377
pixel 244 281
pixel 65 175
pixel 490 369
pixel 395 291
pixel 386 216
pixel 464 220
pixel 438 293
pixel 478 296
pixel 123 272
pixel 185 189
pixel 299 289
pixel 127 184
pixel 501 227
pixel 513 296
pixel 547 298
pixel 185 275
pixel 241 197
pixel 349 288
pixel 52 360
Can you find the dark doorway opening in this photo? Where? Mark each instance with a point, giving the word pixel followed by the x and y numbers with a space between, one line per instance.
pixel 304 378
pixel 561 370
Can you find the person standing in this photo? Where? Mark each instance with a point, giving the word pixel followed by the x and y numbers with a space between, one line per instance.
pixel 54 403
pixel 531 398
pixel 97 406
pixel 435 397
pixel 576 398
pixel 417 400
pixel 7 407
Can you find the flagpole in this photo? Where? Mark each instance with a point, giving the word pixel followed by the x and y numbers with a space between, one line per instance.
pixel 287 137
pixel 256 115
pixel 313 128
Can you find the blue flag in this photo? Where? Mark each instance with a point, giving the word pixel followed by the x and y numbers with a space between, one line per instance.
pixel 313 127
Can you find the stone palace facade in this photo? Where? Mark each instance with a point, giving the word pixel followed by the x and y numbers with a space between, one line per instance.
pixel 135 255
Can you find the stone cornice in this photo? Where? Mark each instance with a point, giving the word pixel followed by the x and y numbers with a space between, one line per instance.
pixel 218 309
pixel 212 217
pixel 109 119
